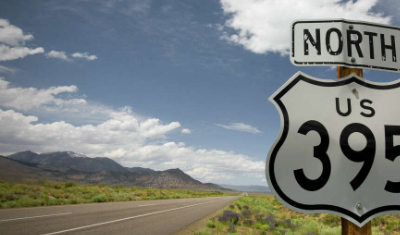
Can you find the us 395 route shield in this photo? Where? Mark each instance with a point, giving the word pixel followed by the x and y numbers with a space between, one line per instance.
pixel 338 147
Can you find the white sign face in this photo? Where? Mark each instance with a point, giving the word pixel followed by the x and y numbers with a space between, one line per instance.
pixel 338 147
pixel 347 43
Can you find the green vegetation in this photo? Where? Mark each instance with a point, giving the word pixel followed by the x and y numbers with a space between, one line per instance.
pixel 264 215
pixel 44 193
pixel 210 224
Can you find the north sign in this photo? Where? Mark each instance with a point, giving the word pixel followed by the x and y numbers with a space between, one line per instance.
pixel 347 43
pixel 338 147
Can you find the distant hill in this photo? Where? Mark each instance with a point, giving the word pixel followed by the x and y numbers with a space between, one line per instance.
pixel 211 185
pixel 138 169
pixel 70 166
pixel 70 160
pixel 247 188
pixel 11 170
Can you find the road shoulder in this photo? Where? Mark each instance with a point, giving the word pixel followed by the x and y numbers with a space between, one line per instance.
pixel 199 224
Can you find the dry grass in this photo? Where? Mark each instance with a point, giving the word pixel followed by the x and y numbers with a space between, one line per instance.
pixel 44 193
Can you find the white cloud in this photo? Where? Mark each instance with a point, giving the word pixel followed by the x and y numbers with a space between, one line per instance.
pixel 206 165
pixel 186 131
pixel 12 35
pixel 15 39
pixel 124 139
pixel 4 69
pixel 55 102
pixel 127 138
pixel 31 98
pixel 12 53
pixel 136 7
pixel 85 56
pixel 61 55
pixel 264 25
pixel 240 127
pixel 116 153
pixel 113 138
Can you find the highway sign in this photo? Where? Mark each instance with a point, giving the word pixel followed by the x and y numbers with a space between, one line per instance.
pixel 337 148
pixel 347 43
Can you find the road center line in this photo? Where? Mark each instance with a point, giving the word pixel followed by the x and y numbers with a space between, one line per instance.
pixel 32 217
pixel 128 218
pixel 147 205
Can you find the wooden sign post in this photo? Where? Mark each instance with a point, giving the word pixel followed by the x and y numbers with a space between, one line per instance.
pixel 348 228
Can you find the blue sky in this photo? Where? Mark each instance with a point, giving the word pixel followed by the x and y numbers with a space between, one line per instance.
pixel 160 84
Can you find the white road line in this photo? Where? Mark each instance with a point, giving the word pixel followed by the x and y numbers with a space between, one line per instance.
pixel 128 218
pixel 32 217
pixel 148 205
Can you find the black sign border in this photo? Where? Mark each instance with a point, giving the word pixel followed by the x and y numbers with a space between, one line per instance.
pixel 271 172
pixel 341 63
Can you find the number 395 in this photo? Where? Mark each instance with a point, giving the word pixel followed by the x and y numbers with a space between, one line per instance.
pixel 367 155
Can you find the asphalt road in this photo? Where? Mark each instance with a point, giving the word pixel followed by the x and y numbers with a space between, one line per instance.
pixel 141 217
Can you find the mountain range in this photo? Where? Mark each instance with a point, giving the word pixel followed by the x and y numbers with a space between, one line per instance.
pixel 69 166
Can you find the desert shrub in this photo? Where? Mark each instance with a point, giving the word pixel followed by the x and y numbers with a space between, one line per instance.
pixel 275 202
pixel 73 201
pixel 246 214
pixel 122 197
pixel 379 221
pixel 310 226
pixel 10 204
pixel 17 190
pixel 298 222
pixel 5 185
pixel 287 223
pixel 41 182
pixel 10 196
pixel 99 198
pixel 210 224
pixel 41 192
pixel 331 220
pixel 55 202
pixel 294 233
pixel 229 217
pixel 150 194
pixel 32 195
pixel 270 221
pixel 376 231
pixel 259 217
pixel 57 186
pixel 264 227
pixel 332 231
pixel 27 203
pixel 391 225
pixel 202 232
pixel 219 226
pixel 248 222
pixel 232 228
pixel 68 184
